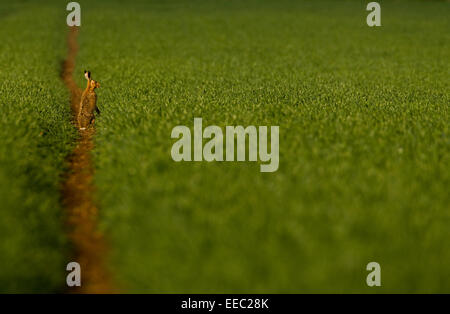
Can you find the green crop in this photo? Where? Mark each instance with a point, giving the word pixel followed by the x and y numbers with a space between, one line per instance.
pixel 364 144
pixel 35 138
pixel 363 114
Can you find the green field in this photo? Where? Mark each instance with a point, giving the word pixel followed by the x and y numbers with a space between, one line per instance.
pixel 364 121
pixel 35 137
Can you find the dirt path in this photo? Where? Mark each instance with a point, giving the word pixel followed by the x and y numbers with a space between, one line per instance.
pixel 77 194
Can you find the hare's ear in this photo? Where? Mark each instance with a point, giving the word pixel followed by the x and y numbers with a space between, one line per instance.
pixel 87 75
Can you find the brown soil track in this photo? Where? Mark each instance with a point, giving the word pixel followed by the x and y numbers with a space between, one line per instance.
pixel 77 194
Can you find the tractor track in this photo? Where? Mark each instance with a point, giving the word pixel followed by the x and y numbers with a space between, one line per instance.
pixel 77 193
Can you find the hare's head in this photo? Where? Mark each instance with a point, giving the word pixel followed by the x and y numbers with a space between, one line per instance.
pixel 91 83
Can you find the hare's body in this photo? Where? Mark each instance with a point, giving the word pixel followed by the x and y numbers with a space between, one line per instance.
pixel 88 104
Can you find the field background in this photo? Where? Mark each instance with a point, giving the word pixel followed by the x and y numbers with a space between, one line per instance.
pixel 364 146
pixel 35 137
pixel 364 142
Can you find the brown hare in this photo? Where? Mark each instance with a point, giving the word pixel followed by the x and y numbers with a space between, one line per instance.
pixel 88 104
